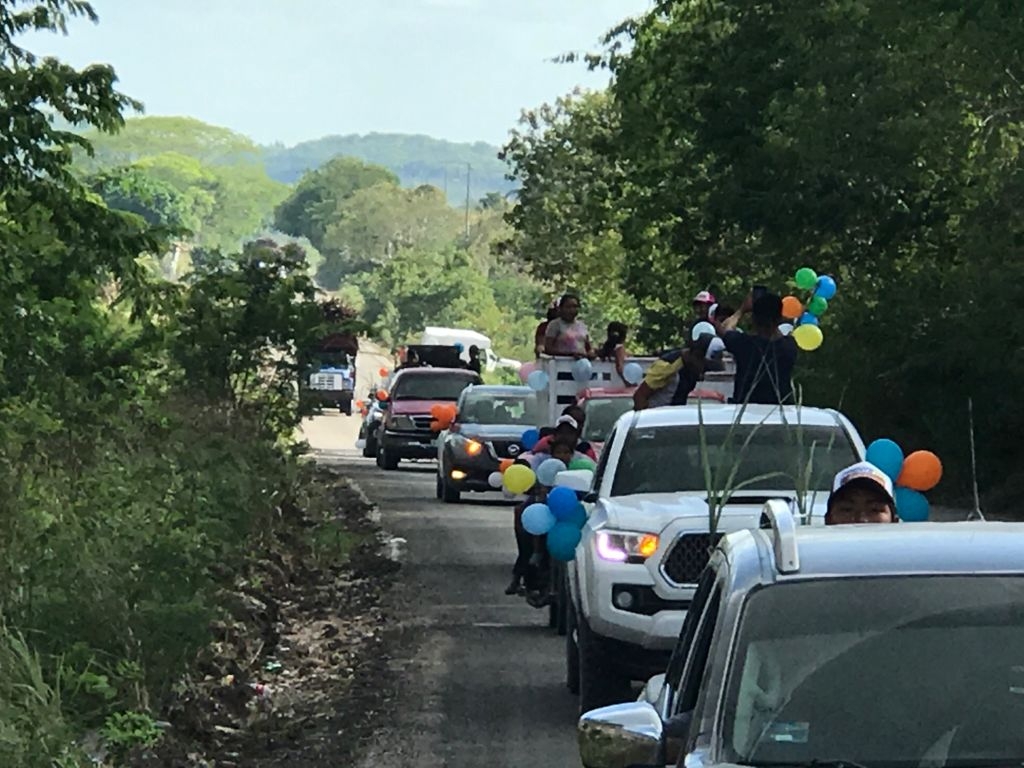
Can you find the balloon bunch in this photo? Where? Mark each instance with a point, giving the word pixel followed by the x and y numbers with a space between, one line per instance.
pixel 805 329
pixel 912 475
pixel 442 415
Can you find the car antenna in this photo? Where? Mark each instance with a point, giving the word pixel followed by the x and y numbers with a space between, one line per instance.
pixel 974 464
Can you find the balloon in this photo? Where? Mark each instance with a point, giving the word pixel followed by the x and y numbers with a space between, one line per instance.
pixel 806 278
pixel 911 505
pixel 826 288
pixel 702 328
pixel 537 519
pixel 458 347
pixel 449 412
pixel 504 464
pixel 786 328
pixel 494 479
pixel 633 373
pixel 808 337
pixel 582 462
pixel 437 410
pixel 582 370
pixel 921 471
pixel 382 394
pixel 530 438
pixel 360 404
pixel 578 516
pixel 525 370
pixel 792 308
pixel 548 471
pixel 383 372
pixel 436 426
pixel 887 456
pixel 518 479
pixel 808 319
pixel 537 381
pixel 562 502
pixel 817 306
pixel 563 539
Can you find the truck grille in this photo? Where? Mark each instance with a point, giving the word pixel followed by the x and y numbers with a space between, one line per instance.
pixel 422 422
pixel 688 557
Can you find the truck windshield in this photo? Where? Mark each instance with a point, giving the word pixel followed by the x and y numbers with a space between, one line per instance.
pixel 880 672
pixel 493 408
pixel 602 413
pixel 432 386
pixel 669 459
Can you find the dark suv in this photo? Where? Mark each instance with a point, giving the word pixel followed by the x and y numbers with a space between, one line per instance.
pixel 489 427
pixel 405 431
pixel 870 645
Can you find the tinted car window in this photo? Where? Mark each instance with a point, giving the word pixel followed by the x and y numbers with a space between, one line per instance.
pixel 602 413
pixel 668 459
pixel 431 386
pixel 891 672
pixel 492 408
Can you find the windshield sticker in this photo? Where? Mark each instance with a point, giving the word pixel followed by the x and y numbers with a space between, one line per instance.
pixel 792 733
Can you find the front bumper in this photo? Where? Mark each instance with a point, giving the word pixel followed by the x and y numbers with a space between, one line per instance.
pixel 409 445
pixel 475 470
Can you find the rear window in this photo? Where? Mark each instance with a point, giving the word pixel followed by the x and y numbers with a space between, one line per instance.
pixel 766 457
pixel 431 386
pixel 602 413
pixel 493 408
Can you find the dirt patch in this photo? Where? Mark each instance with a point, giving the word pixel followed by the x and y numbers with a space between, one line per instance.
pixel 298 673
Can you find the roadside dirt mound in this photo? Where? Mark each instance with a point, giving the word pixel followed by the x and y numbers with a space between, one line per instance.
pixel 297 671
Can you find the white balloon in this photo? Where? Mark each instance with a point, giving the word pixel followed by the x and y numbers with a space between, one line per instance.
pixel 786 328
pixel 494 480
pixel 582 370
pixel 702 328
pixel 715 348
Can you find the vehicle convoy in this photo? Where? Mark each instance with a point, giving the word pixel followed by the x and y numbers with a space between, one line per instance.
pixel 838 647
pixel 404 432
pixel 649 531
pixel 434 335
pixel 488 428
pixel 330 376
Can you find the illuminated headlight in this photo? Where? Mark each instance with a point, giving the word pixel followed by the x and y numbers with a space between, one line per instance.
pixel 468 446
pixel 625 546
pixel 402 423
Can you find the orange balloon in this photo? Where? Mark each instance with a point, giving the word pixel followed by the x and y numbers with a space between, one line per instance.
pixel 505 464
pixel 435 426
pixel 382 394
pixel 450 412
pixel 791 307
pixel 383 372
pixel 437 411
pixel 360 404
pixel 921 471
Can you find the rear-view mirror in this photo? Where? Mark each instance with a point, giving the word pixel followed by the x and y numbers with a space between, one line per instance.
pixel 620 736
pixel 578 480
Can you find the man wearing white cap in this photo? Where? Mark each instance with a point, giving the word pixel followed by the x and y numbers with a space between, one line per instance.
pixel 861 493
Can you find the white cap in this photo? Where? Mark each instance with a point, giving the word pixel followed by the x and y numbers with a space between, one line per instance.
pixel 715 348
pixel 568 420
pixel 863 472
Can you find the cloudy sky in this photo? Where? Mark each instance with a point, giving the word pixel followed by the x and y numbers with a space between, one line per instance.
pixel 289 70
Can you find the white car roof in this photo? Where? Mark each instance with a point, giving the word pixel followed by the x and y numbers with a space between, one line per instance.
pixel 716 413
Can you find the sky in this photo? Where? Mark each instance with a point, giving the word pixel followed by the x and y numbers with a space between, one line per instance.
pixel 294 70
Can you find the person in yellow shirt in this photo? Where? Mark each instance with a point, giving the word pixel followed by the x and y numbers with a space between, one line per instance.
pixel 673 376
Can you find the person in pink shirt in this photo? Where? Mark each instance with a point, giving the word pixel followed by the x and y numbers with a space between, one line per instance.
pixel 567 335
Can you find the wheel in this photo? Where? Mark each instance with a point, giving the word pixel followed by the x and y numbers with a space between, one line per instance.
pixel 386 460
pixel 601 684
pixel 346 407
pixel 562 591
pixel 450 493
pixel 370 451
pixel 572 653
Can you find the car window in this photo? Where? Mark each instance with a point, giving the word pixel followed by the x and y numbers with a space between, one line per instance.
pixel 602 462
pixel 668 459
pixel 693 614
pixel 697 654
pixel 494 408
pixel 431 386
pixel 881 671
pixel 602 413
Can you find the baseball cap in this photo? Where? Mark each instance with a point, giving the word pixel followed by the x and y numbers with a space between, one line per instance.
pixel 568 420
pixel 704 297
pixel 864 475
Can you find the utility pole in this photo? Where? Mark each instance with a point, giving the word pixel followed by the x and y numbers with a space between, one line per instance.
pixel 469 170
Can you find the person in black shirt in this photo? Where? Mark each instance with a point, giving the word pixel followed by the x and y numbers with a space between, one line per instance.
pixel 764 358
pixel 474 359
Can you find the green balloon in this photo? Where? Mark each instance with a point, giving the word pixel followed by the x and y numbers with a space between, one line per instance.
pixel 806 278
pixel 581 464
pixel 817 306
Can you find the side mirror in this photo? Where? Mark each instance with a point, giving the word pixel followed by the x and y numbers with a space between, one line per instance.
pixel 578 480
pixel 591 497
pixel 652 690
pixel 620 736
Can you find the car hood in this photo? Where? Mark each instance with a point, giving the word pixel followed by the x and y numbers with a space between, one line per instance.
pixel 493 431
pixel 415 407
pixel 655 511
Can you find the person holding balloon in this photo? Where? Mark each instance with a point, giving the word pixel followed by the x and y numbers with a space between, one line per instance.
pixel 764 358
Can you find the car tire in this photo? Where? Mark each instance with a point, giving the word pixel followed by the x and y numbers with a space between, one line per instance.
pixel 562 591
pixel 601 684
pixel 369 448
pixel 449 493
pixel 386 460
pixel 572 653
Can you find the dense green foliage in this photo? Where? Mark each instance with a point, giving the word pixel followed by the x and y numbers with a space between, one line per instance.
pixel 740 141
pixel 144 425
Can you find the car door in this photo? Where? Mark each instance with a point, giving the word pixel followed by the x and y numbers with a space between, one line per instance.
pixel 677 662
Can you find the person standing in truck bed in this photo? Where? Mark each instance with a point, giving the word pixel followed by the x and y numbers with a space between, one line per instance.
pixel 567 335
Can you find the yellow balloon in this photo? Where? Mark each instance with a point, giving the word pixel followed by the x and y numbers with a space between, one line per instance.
pixel 808 337
pixel 519 479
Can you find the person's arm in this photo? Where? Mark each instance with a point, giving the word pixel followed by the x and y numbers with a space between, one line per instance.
pixel 730 323
pixel 620 360
pixel 642 396
pixel 589 347
pixel 550 337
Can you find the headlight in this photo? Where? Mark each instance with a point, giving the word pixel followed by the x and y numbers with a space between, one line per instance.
pixel 467 445
pixel 402 423
pixel 625 546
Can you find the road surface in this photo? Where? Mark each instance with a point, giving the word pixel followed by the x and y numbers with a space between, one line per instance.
pixel 483 680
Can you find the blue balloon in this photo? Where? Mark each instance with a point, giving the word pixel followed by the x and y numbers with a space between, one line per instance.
pixel 911 506
pixel 537 381
pixel 563 503
pixel 578 517
pixel 530 438
pixel 826 287
pixel 458 347
pixel 563 539
pixel 548 471
pixel 582 370
pixel 633 373
pixel 808 319
pixel 887 456
pixel 537 519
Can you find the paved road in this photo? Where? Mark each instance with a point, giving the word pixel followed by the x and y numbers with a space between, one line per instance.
pixel 483 682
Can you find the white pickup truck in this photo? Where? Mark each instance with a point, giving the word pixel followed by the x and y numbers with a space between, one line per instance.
pixel 649 532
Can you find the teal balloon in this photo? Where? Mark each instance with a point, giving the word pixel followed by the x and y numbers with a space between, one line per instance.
pixel 911 505
pixel 887 456
pixel 563 540
pixel 579 516
pixel 537 519
pixel 582 462
pixel 817 306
